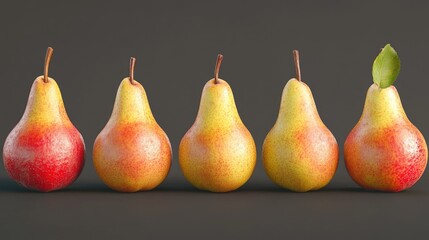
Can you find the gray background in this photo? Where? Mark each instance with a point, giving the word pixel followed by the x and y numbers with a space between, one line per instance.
pixel 176 44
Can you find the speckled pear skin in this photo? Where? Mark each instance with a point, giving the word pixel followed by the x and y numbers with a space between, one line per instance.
pixel 44 152
pixel 217 153
pixel 299 153
pixel 385 151
pixel 132 153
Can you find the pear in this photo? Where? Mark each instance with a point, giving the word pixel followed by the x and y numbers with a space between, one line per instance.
pixel 385 151
pixel 44 152
pixel 299 152
pixel 217 153
pixel 132 153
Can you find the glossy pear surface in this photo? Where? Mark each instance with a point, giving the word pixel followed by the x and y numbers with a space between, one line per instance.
pixel 217 153
pixel 132 153
pixel 385 151
pixel 299 153
pixel 44 151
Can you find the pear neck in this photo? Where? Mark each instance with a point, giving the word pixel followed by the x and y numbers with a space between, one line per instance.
pixel 131 104
pixel 297 103
pixel 383 106
pixel 217 106
pixel 45 103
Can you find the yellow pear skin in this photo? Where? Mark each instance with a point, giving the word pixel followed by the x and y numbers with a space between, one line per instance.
pixel 132 153
pixel 299 153
pixel 217 153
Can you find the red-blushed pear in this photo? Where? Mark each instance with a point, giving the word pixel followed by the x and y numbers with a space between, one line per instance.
pixel 132 153
pixel 44 152
pixel 385 151
pixel 217 153
pixel 299 152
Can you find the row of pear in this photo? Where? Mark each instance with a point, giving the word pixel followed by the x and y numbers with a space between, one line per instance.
pixel 384 151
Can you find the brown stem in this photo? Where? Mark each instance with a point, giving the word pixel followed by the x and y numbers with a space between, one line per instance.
pixel 132 65
pixel 297 66
pixel 48 57
pixel 217 67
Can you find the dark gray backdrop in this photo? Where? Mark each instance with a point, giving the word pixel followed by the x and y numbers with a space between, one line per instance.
pixel 176 44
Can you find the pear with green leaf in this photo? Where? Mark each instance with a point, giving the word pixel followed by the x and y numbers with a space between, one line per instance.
pixel 385 151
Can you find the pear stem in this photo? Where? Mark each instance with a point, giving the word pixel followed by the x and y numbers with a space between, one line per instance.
pixel 217 67
pixel 48 57
pixel 297 66
pixel 132 65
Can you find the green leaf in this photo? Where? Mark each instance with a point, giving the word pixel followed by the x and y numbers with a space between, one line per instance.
pixel 386 67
